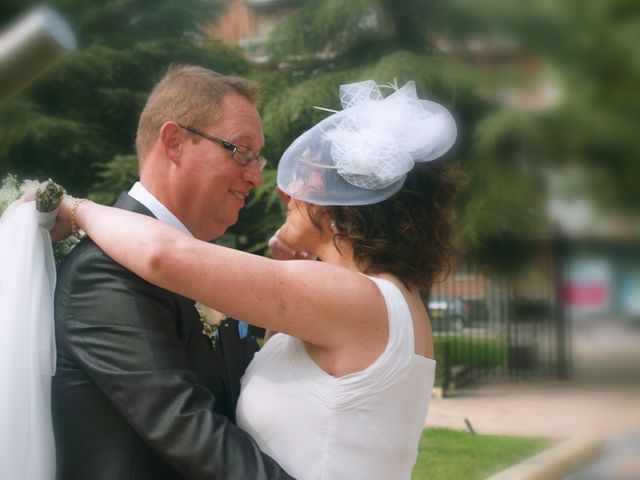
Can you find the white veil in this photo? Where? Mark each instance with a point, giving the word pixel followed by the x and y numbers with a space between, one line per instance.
pixel 27 344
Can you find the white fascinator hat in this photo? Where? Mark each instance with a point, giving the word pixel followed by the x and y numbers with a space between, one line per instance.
pixel 362 154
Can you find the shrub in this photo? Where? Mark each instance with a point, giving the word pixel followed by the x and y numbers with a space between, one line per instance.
pixel 442 354
pixel 479 353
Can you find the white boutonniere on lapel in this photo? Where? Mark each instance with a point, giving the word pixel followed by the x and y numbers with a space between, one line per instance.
pixel 211 320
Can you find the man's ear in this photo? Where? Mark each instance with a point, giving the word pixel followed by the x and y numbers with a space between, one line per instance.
pixel 171 139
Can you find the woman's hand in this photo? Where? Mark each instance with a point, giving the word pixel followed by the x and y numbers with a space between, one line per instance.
pixel 282 251
pixel 279 248
pixel 62 228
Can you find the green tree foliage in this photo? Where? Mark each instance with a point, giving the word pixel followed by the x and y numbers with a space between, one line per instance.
pixel 590 48
pixel 78 122
pixel 476 58
pixel 327 43
pixel 600 116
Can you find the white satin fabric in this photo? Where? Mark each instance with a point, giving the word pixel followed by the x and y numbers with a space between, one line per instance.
pixel 364 425
pixel 27 344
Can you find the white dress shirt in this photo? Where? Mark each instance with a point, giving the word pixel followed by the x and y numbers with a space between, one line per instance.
pixel 162 213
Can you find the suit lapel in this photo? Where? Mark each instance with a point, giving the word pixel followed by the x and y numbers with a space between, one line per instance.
pixel 125 202
pixel 191 318
pixel 230 345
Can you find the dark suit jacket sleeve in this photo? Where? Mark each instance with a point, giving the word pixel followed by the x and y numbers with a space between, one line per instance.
pixel 121 331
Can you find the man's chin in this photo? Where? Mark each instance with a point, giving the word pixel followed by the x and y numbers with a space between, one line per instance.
pixel 217 231
pixel 212 236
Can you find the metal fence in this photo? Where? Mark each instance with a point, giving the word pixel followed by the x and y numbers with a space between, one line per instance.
pixel 501 326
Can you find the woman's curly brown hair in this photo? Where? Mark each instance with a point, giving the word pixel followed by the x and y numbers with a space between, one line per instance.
pixel 408 235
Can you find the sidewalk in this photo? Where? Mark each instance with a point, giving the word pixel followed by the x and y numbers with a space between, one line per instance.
pixel 550 409
pixel 586 419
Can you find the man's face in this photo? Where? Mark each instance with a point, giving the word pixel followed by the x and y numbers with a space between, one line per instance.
pixel 214 186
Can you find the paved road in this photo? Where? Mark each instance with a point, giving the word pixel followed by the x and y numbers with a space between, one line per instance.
pixel 560 410
pixel 620 460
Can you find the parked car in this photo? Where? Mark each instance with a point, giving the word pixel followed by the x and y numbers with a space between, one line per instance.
pixel 448 313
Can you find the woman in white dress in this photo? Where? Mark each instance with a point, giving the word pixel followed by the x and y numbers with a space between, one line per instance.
pixel 342 391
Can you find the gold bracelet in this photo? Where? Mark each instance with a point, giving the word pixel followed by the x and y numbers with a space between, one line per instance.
pixel 75 229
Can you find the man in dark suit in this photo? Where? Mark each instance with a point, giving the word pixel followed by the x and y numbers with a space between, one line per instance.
pixel 140 393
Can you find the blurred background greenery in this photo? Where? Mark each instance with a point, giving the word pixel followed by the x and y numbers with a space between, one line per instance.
pixel 547 99
pixel 541 90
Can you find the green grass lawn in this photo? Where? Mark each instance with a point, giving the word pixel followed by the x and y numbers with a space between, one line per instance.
pixel 450 455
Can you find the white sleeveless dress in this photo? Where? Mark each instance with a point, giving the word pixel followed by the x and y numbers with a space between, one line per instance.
pixel 364 425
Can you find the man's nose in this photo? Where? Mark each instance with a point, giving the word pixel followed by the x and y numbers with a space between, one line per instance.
pixel 252 174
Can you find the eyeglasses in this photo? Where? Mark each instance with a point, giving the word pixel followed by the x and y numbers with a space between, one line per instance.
pixel 239 154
